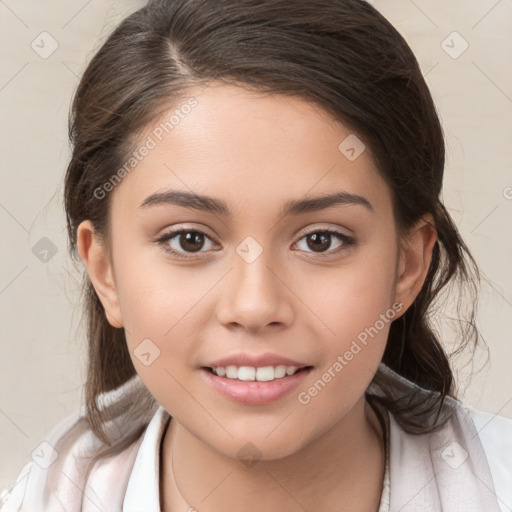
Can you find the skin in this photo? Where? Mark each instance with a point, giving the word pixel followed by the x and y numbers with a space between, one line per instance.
pixel 256 151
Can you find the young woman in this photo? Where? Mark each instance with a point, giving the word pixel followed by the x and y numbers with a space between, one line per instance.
pixel 254 191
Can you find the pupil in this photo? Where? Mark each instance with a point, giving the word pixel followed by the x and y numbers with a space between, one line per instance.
pixel 188 239
pixel 323 240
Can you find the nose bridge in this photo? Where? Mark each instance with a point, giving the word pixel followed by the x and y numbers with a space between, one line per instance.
pixel 253 296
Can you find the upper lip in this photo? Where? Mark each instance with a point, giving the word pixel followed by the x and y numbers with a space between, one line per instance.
pixel 260 360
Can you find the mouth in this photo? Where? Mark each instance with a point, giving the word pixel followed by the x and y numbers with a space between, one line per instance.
pixel 251 385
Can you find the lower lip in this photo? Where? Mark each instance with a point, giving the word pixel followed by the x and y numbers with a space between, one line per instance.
pixel 255 392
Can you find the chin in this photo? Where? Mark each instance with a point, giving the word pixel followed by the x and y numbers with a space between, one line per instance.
pixel 250 449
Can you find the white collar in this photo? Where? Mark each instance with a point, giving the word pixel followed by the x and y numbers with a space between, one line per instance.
pixel 143 491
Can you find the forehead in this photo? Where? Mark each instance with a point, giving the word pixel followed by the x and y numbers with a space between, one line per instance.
pixel 252 149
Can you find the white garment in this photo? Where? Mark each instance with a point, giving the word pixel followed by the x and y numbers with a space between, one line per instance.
pixel 438 472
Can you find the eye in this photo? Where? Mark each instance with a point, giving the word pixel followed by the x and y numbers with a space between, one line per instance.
pixel 181 241
pixel 321 239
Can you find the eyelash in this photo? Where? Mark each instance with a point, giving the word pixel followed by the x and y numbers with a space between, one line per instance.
pixel 347 241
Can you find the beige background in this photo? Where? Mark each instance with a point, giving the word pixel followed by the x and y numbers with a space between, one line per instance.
pixel 43 351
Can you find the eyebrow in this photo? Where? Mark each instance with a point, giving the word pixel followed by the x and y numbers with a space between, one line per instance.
pixel 217 206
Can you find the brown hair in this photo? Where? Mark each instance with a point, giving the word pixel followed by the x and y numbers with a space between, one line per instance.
pixel 342 55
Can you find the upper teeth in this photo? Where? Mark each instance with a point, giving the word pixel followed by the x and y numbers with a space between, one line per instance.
pixel 264 373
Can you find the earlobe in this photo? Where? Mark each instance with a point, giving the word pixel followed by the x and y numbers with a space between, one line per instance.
pixel 96 259
pixel 414 262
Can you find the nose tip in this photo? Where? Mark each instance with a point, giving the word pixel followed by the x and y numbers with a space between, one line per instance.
pixel 253 297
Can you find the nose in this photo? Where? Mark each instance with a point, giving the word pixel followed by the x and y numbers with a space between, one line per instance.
pixel 255 295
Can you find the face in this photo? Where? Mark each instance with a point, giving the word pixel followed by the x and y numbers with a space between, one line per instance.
pixel 259 275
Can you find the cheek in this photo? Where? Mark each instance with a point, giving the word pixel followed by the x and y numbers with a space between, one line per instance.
pixel 152 300
pixel 354 297
pixel 356 305
pixel 350 357
pixel 153 294
pixel 159 319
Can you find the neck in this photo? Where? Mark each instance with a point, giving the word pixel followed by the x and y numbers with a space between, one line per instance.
pixel 344 465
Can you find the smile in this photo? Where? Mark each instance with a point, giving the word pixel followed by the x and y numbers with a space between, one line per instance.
pixel 251 385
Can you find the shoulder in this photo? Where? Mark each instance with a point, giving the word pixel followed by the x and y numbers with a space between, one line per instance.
pixel 34 477
pixel 495 434
pixel 468 457
pixel 493 430
pixel 75 465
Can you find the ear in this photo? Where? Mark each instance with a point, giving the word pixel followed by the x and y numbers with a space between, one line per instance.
pixel 414 261
pixel 96 259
